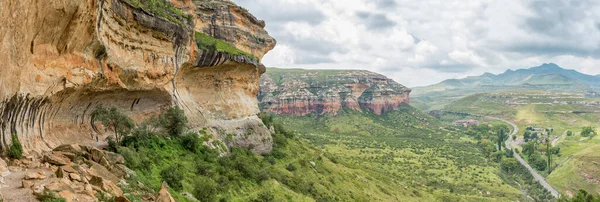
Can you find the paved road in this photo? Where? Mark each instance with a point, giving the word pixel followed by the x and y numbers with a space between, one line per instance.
pixel 533 172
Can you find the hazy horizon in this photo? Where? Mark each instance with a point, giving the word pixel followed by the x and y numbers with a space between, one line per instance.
pixel 442 40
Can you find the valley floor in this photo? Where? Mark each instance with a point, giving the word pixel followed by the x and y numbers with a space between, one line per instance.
pixel 576 165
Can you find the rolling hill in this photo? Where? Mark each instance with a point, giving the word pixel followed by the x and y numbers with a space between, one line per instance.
pixel 547 77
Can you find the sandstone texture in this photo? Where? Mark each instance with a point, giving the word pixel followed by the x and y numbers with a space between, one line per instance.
pixel 84 174
pixel 61 59
pixel 301 92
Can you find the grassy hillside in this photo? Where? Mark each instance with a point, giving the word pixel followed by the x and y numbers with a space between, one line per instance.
pixel 191 163
pixel 576 165
pixel 426 159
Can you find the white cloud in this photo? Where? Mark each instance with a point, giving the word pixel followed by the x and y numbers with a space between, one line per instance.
pixel 406 39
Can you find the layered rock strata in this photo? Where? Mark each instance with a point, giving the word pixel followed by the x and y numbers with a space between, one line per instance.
pixel 301 92
pixel 61 59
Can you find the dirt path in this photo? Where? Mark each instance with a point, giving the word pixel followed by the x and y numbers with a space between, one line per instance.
pixel 12 189
pixel 564 135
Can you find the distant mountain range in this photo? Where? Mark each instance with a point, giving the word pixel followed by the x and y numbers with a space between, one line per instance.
pixel 547 77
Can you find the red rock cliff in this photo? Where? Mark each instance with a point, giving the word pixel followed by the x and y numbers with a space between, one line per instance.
pixel 301 92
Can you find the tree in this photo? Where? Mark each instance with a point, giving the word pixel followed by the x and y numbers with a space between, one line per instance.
pixel 529 149
pixel 534 136
pixel 174 121
pixel 582 196
pixel 548 153
pixel 501 131
pixel 538 162
pixel 588 132
pixel 114 120
pixel 527 136
pixel 15 150
pixel 509 164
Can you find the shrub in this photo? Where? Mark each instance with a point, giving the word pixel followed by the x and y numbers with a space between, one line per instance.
pixel 291 167
pixel 569 133
pixel 136 160
pixel 205 189
pixel 173 176
pixel 48 196
pixel 112 145
pixel 174 121
pixel 264 196
pixel 15 150
pixel 191 142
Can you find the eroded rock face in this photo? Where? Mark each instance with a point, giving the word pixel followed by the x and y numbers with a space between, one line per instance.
pixel 61 59
pixel 301 92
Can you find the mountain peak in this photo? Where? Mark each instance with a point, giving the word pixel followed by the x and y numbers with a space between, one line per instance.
pixel 548 66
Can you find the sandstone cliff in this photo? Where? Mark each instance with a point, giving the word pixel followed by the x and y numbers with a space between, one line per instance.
pixel 60 59
pixel 301 92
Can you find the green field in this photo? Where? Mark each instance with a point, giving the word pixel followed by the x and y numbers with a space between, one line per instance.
pixel 576 167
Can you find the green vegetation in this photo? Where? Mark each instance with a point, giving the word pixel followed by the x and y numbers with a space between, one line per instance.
pixel 206 42
pixel 431 160
pixel 115 120
pixel 48 196
pixel 582 196
pixel 588 131
pixel 15 150
pixel 564 155
pixel 294 171
pixel 512 171
pixel 161 8
pixel 174 121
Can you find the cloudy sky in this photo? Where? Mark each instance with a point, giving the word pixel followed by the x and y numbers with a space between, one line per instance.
pixel 426 41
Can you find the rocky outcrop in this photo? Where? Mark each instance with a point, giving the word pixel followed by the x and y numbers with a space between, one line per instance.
pixel 163 194
pixel 61 59
pixel 301 92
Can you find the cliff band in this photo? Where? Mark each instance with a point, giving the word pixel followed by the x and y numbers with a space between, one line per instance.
pixel 301 92
pixel 61 59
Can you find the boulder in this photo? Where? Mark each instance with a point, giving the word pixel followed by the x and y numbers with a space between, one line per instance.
pixel 56 158
pixel 3 168
pixel 130 173
pixel 114 158
pixel 66 194
pixel 27 184
pixel 106 186
pixel 96 155
pixel 35 176
pixel 121 199
pixel 163 194
pixel 75 177
pixel 69 148
pixel 60 173
pixel 56 187
pixel 101 171
pixel 68 169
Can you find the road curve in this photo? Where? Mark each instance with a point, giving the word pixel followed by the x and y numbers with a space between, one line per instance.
pixel 533 172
